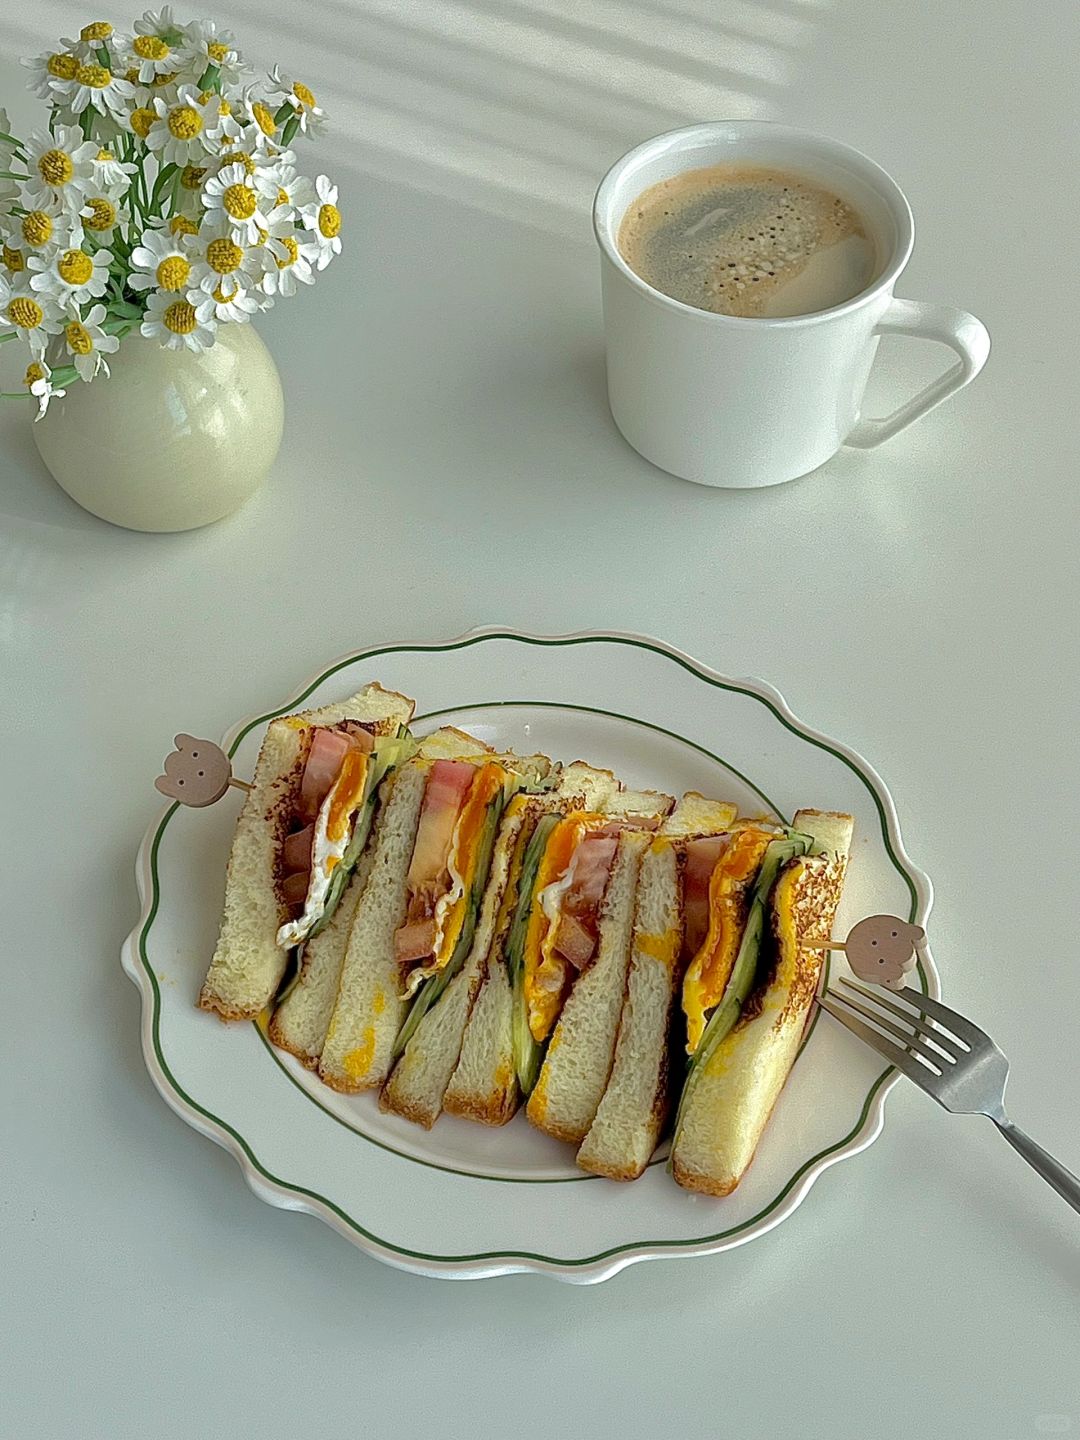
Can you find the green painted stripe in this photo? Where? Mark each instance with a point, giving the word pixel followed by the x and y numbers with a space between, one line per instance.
pixel 508 1255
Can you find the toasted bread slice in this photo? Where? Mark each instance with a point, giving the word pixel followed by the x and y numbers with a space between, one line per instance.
pixel 578 1061
pixel 730 1101
pixel 248 963
pixel 628 1118
pixel 368 1008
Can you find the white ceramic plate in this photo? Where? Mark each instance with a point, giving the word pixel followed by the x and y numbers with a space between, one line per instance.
pixel 464 1200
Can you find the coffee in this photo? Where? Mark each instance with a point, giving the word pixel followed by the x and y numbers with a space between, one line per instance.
pixel 742 240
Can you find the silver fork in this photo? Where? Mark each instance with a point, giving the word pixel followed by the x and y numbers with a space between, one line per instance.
pixel 952 1060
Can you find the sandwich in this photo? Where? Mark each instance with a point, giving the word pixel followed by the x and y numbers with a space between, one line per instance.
pixel 751 1037
pixel 428 1045
pixel 416 915
pixel 691 908
pixel 301 833
pixel 555 901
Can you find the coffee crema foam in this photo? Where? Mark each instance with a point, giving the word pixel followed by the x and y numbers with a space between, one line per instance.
pixel 748 241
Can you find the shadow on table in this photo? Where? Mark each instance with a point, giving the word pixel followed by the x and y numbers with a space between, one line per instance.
pixel 515 107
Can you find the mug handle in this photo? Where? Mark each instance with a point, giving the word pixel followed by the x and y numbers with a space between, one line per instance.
pixel 962 333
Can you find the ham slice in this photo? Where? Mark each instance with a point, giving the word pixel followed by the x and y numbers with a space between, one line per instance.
pixel 328 748
pixel 591 867
pixel 414 941
pixel 296 852
pixel 701 860
pixel 574 942
pixel 294 887
pixel 447 786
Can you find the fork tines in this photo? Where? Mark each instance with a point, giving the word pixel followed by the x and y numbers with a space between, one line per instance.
pixel 927 1051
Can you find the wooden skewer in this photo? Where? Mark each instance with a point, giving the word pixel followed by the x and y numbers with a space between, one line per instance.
pixel 823 945
pixel 240 784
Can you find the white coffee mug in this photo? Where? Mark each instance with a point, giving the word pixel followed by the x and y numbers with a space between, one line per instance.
pixel 735 402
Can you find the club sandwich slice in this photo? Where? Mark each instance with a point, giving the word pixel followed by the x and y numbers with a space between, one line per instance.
pixel 751 1038
pixel 693 897
pixel 314 790
pixel 420 904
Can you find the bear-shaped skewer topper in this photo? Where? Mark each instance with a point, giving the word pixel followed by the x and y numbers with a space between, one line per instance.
pixel 197 772
pixel 882 949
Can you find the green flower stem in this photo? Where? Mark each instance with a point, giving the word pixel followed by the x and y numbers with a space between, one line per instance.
pixel 211 79
pixel 12 140
pixel 284 110
pixel 14 394
pixel 290 129
pixel 11 335
pixel 12 175
pixel 86 122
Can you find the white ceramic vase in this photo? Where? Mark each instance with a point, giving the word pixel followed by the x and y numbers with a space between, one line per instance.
pixel 171 440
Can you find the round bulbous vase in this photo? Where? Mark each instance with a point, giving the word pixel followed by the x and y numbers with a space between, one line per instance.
pixel 171 440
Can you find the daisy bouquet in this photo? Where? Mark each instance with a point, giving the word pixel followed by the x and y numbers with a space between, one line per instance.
pixel 163 198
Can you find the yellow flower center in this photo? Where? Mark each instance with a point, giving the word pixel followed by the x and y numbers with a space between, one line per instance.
pixel 102 213
pixel 132 75
pixel 78 338
pixel 263 117
pixel 238 157
pixel 329 220
pixel 13 259
pixel 224 256
pixel 105 156
pixel 25 313
pixel 173 272
pixel 150 47
pixel 191 177
pixel 304 95
pixel 181 225
pixel 293 250
pixel 75 267
pixel 55 167
pixel 221 297
pixel 179 317
pixel 62 67
pixel 37 228
pixel 282 196
pixel 94 76
pixel 239 202
pixel 224 108
pixel 217 51
pixel 184 122
pixel 34 373
pixel 97 30
pixel 141 120
pixel 163 79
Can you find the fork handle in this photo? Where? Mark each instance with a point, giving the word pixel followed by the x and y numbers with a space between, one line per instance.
pixel 1052 1171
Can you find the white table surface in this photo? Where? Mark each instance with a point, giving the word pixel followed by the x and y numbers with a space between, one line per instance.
pixel 449 461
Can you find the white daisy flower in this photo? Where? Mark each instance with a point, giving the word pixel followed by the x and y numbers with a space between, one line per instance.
pixel 227 129
pixel 38 380
pixel 93 38
pixel 32 316
pixel 223 260
pixel 161 262
pixel 213 45
pixel 70 276
pixel 14 259
pixel 227 302
pixel 172 320
pixel 310 113
pixel 100 215
pixel 264 129
pixel 47 227
pixel 87 343
pixel 108 175
pixel 230 198
pixel 158 46
pixel 280 185
pixel 293 257
pixel 179 133
pixel 59 164
pixel 323 222
pixel 49 71
pixel 95 87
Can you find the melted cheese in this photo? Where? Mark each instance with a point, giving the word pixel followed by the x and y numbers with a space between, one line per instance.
pixel 545 971
pixel 708 972
pixel 465 848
